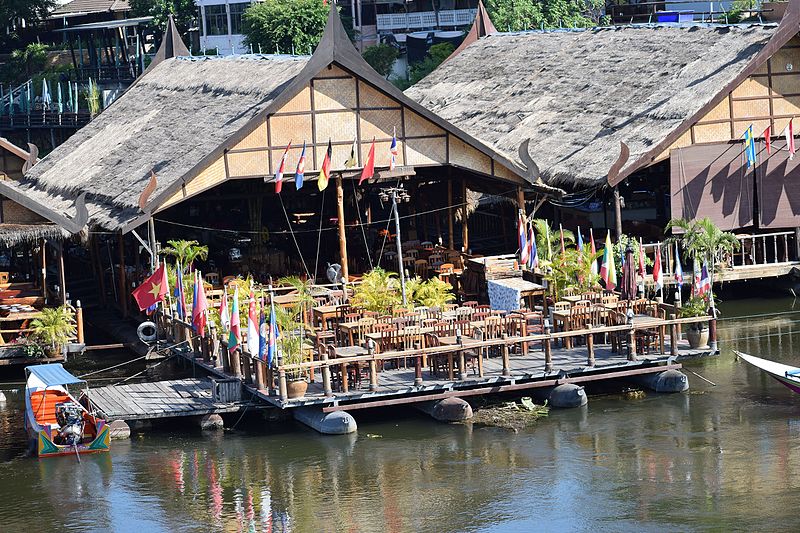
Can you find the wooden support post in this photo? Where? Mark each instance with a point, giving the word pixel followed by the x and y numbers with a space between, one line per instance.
pixel 123 291
pixel 43 246
pixel 673 337
pixel 373 375
pixel 345 379
pixel 450 236
pixel 521 200
pixel 326 373
pixel 79 322
pixel 236 366
pixel 247 361
pixel 282 393
pixel 548 350
pixel 632 345
pixel 258 375
pixel 590 345
pixel 101 274
pixel 617 212
pixel 340 217
pixel 417 366
pixel 506 362
pixel 62 277
pixel 464 225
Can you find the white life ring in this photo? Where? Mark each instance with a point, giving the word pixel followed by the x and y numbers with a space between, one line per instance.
pixel 146 337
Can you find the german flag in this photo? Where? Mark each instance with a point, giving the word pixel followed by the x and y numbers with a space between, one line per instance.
pixel 325 171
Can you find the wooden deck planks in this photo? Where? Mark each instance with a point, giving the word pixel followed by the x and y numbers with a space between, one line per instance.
pixel 160 399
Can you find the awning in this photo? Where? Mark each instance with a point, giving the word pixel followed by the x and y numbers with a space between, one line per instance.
pixel 43 376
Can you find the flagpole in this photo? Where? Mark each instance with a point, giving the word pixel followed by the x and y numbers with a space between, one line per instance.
pixel 270 338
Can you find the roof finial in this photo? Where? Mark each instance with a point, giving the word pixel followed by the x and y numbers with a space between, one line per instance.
pixel 480 28
pixel 171 45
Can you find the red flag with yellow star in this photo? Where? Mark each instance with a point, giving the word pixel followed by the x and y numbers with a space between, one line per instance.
pixel 152 290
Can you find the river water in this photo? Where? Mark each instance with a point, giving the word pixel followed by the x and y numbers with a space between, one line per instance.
pixel 719 458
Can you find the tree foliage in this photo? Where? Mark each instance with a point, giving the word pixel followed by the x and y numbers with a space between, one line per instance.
pixel 519 15
pixel 12 12
pixel 381 57
pixel 183 11
pixel 186 252
pixel 285 26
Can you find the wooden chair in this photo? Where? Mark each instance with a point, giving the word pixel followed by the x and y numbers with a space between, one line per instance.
pixel 411 252
pixel 421 268
pixel 208 277
pixel 426 245
pixel 435 260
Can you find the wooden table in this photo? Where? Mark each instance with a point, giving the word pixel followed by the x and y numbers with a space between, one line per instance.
pixel 324 313
pixel 344 353
pixel 572 299
pixel 466 343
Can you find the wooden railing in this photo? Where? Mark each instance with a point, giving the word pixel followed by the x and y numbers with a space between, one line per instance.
pixel 253 370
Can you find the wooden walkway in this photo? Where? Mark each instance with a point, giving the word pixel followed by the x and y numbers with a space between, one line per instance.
pixel 159 399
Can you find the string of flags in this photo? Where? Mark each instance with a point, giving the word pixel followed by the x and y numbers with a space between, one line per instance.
pixel 750 147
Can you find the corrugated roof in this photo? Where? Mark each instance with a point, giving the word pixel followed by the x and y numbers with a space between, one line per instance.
pixel 83 7
pixel 50 375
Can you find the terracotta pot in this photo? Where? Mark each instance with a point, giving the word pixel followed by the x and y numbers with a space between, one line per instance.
pixel 697 337
pixel 50 351
pixel 296 389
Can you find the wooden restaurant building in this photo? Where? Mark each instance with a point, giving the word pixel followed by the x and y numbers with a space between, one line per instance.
pixel 641 123
pixel 194 144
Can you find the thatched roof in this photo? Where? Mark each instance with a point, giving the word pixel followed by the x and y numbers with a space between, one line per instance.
pixel 167 122
pixel 578 94
pixel 13 234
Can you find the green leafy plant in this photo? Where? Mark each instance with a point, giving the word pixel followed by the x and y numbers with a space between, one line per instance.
pixel 285 26
pixel 695 306
pixel 186 252
pixel 704 242
pixel 548 241
pixel 520 15
pixel 184 13
pixel 92 94
pixel 54 327
pixel 434 293
pixel 381 57
pixel 572 270
pixel 378 291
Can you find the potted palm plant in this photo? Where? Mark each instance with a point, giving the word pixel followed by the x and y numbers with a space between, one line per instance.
pixel 378 291
pixel 291 346
pixel 696 333
pixel 54 327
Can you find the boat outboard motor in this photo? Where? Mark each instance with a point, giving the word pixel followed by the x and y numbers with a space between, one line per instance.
pixel 70 420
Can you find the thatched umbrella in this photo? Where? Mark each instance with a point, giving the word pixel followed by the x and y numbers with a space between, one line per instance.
pixel 628 286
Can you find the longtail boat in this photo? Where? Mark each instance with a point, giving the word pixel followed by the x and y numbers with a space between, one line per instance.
pixel 56 422
pixel 786 375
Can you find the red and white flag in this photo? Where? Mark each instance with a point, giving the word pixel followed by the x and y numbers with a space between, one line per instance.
pixel 281 169
pixel 788 132
pixel 658 275
pixel 252 327
pixel 369 167
pixel 768 139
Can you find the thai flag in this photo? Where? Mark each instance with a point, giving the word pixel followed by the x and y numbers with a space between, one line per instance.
pixel 533 256
pixel 705 281
pixel 393 152
pixel 281 169
pixel 274 335
pixel 522 239
pixel 300 171
pixel 180 300
pixel 678 267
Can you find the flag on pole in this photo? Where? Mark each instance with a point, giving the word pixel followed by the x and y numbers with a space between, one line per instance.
pixel 263 334
pixel 369 167
pixel 678 267
pixel 788 133
pixel 300 171
pixel 325 171
pixel 522 237
pixel 658 274
pixel 199 306
pixel 281 169
pixel 749 146
pixel 393 151
pixel 351 161
pixel 594 252
pixel 178 293
pixel 235 337
pixel 705 281
pixel 152 290
pixel 695 278
pixel 608 272
pixel 274 334
pixel 768 139
pixel 580 239
pixel 561 230
pixel 533 256
pixel 224 311
pixel 252 327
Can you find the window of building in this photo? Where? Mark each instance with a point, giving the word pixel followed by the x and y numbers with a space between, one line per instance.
pixel 236 16
pixel 216 20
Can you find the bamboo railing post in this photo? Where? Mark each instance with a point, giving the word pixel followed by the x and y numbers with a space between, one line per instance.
pixel 673 337
pixel 247 363
pixel 417 365
pixel 632 344
pixel 326 373
pixel 259 378
pixel 282 393
pixel 506 365
pixel 590 345
pixel 79 321
pixel 548 351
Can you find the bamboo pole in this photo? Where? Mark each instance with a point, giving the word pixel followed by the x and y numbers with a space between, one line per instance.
pixel 340 217
pixel 43 246
pixel 590 346
pixel 79 322
pixel 464 225
pixel 450 236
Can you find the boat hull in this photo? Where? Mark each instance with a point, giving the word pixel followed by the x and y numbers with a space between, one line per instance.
pixel 46 447
pixel 775 370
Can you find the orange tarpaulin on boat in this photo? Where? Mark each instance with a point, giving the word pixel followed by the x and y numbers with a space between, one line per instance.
pixel 43 404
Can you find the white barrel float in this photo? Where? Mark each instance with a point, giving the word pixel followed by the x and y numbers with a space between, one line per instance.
pixel 335 423
pixel 118 429
pixel 567 395
pixel 666 381
pixel 447 410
